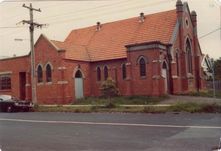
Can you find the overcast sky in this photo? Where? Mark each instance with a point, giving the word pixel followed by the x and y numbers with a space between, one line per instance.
pixel 63 16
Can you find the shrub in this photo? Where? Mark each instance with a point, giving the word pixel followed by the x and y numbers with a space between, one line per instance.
pixel 109 89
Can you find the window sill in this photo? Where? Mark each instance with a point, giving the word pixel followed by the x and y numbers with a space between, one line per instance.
pixel 143 77
pixel 48 83
pixel 190 76
pixel 40 83
pixel 7 90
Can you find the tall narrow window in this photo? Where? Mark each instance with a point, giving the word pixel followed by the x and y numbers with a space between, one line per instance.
pixel 177 64
pixel 105 73
pixel 48 73
pixel 40 74
pixel 142 64
pixel 189 56
pixel 5 82
pixel 124 71
pixel 98 74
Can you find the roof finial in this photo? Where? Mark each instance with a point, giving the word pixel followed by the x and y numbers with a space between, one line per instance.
pixel 98 26
pixel 142 17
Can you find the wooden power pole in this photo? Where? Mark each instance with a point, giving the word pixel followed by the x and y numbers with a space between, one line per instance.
pixel 32 25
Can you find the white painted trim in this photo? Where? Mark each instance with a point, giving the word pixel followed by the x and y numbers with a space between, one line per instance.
pixel 62 82
pixel 27 84
pixel 40 83
pixel 155 61
pixel 5 72
pixel 48 83
pixel 62 68
pixel 175 77
pixel 156 77
pixel 50 64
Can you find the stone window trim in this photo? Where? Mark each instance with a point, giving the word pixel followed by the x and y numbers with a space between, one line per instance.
pixel 189 54
pixel 39 71
pixel 76 70
pixel 5 82
pixel 48 74
pixel 142 57
pixel 52 67
pixel 142 66
pixel 98 73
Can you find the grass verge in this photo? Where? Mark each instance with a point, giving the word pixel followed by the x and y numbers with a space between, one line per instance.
pixel 178 107
pixel 208 93
pixel 121 100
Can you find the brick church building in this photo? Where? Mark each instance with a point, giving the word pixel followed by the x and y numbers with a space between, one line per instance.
pixel 148 55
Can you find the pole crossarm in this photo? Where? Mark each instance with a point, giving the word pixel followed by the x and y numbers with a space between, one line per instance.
pixel 33 23
pixel 31 8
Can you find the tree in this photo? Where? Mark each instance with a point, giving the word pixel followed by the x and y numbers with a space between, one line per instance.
pixel 109 89
pixel 217 69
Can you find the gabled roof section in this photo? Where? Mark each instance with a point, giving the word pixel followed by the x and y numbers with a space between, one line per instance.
pixel 52 43
pixel 109 42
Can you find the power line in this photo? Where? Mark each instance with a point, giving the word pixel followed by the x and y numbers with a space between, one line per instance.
pixel 19 14
pixel 10 27
pixel 85 10
pixel 44 0
pixel 209 33
pixel 110 12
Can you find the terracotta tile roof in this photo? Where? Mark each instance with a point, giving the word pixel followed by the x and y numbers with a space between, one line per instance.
pixel 109 43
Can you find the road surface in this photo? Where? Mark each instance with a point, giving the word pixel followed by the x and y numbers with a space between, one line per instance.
pixel 109 132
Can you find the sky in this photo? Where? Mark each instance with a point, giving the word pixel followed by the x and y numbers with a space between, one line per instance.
pixel 60 17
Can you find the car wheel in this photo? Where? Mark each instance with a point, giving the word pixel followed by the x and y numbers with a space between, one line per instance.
pixel 9 109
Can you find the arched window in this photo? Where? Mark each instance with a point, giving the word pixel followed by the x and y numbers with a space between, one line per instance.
pixel 78 74
pixel 142 64
pixel 105 73
pixel 124 71
pixel 40 74
pixel 177 64
pixel 48 73
pixel 98 74
pixel 164 65
pixel 189 56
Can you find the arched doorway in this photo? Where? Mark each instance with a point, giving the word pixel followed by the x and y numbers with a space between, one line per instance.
pixel 164 72
pixel 78 85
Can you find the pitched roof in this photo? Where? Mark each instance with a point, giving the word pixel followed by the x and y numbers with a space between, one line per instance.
pixel 109 42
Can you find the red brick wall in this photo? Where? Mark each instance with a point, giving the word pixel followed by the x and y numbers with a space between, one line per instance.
pixel 48 92
pixel 152 83
pixel 15 66
pixel 114 71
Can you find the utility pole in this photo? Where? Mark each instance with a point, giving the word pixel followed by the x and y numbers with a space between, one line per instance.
pixel 32 25
pixel 213 72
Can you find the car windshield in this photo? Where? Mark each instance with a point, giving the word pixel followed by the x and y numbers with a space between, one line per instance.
pixel 5 97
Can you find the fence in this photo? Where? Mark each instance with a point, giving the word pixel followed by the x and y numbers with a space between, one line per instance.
pixel 217 85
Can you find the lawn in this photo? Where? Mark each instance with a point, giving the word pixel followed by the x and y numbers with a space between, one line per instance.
pixel 121 100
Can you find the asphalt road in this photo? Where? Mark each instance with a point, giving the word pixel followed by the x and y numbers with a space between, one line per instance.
pixel 109 132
